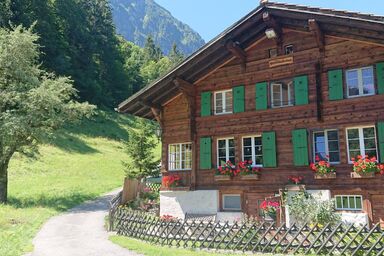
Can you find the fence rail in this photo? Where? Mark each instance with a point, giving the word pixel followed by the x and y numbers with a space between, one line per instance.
pixel 252 237
pixel 113 206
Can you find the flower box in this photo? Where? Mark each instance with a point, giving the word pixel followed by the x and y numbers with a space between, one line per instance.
pixel 325 176
pixel 366 175
pixel 222 178
pixel 250 177
pixel 295 187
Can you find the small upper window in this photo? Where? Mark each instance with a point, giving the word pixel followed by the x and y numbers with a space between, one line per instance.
pixel 282 94
pixel 272 52
pixel 232 202
pixel 223 102
pixel 360 82
pixel 349 202
pixel 288 49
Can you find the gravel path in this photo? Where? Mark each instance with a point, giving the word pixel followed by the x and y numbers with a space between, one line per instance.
pixel 79 232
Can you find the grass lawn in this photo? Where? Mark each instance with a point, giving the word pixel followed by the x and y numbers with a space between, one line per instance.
pixel 79 163
pixel 153 250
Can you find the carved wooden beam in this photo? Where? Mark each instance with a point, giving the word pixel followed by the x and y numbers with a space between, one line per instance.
pixel 157 113
pixel 271 23
pixel 317 33
pixel 185 87
pixel 236 50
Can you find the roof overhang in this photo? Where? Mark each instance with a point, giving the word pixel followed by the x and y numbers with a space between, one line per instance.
pixel 354 26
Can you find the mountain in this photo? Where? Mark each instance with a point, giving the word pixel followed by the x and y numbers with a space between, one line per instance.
pixel 137 19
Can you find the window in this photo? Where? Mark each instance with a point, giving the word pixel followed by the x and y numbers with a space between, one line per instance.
pixel 349 202
pixel 360 82
pixel 288 49
pixel 223 102
pixel 282 94
pixel 326 143
pixel 180 156
pixel 232 202
pixel 272 52
pixel 252 150
pixel 225 151
pixel 361 141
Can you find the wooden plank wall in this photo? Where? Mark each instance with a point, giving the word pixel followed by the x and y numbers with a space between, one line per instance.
pixel 339 53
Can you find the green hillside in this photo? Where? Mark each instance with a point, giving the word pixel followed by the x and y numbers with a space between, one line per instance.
pixel 76 164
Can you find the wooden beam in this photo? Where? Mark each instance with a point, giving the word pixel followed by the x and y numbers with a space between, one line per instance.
pixel 319 94
pixel 236 50
pixel 317 33
pixel 185 87
pixel 148 104
pixel 271 23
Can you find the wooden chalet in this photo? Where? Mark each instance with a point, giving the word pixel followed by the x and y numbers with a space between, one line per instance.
pixel 280 86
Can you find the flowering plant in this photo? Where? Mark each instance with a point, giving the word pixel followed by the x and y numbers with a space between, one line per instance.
pixel 270 207
pixel 171 181
pixel 228 169
pixel 322 166
pixel 246 168
pixel 168 218
pixel 295 179
pixel 366 165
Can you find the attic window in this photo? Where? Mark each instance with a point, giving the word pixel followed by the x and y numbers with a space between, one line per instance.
pixel 288 49
pixel 272 52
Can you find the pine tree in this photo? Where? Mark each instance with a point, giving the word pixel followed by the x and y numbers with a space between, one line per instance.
pixel 175 55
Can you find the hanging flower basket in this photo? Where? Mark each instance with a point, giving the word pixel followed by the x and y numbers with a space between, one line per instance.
pixel 250 177
pixel 325 176
pixel 362 175
pixel 222 177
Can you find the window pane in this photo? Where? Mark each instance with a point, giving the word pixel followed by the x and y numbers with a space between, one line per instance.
pixel 231 142
pixel 333 145
pixel 371 153
pixel 232 160
pixel 222 152
pixel 259 160
pixel 286 95
pixel 228 101
pixel 352 202
pixel 232 202
pixel 222 161
pixel 353 133
pixel 221 143
pixel 247 141
pixel 276 95
pixel 354 154
pixel 334 157
pixel 368 81
pixel 338 202
pixel 369 132
pixel 319 144
pixel 231 152
pixel 353 82
pixel 358 203
pixel 370 144
pixel 247 158
pixel 345 202
pixel 354 145
pixel 333 135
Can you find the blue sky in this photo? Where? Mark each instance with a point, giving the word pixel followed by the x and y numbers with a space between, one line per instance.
pixel 210 17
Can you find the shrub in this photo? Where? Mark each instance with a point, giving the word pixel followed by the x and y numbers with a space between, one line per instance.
pixel 305 209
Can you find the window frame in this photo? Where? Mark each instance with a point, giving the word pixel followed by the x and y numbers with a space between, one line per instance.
pixel 349 209
pixel 286 48
pixel 224 102
pixel 360 82
pixel 226 149
pixel 180 155
pixel 272 52
pixel 253 154
pixel 361 140
pixel 231 209
pixel 325 131
pixel 290 89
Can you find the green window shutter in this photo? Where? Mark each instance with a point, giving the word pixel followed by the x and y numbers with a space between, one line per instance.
pixel 300 147
pixel 335 84
pixel 238 99
pixel 301 90
pixel 205 153
pixel 269 149
pixel 261 96
pixel 380 139
pixel 380 77
pixel 206 103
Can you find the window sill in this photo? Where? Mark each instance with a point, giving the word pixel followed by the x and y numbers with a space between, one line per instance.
pixel 180 170
pixel 221 114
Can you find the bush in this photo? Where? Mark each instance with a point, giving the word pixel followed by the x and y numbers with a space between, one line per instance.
pixel 306 209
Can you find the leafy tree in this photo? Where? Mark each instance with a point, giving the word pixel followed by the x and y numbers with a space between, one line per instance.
pixel 33 102
pixel 175 55
pixel 140 149
pixel 153 70
pixel 152 52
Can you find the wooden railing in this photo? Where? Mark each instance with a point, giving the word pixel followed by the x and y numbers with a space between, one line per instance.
pixel 252 237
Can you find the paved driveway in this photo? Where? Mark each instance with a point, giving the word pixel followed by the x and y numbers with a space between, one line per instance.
pixel 79 232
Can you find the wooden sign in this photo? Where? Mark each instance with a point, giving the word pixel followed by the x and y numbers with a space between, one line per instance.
pixel 280 61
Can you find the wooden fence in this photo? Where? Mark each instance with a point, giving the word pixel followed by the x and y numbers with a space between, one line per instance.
pixel 252 237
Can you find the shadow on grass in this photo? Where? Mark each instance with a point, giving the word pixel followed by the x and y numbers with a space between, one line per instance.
pixel 58 203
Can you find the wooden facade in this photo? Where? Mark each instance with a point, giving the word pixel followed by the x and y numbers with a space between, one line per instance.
pixel 316 53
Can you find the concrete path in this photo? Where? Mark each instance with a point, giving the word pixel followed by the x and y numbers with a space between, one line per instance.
pixel 79 232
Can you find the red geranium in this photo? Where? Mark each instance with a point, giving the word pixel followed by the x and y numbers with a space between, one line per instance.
pixel 366 165
pixel 269 206
pixel 295 179
pixel 321 166
pixel 171 181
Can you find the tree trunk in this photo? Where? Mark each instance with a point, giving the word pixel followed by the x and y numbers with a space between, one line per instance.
pixel 4 181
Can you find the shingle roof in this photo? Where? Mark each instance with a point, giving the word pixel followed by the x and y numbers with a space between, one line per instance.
pixel 214 53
